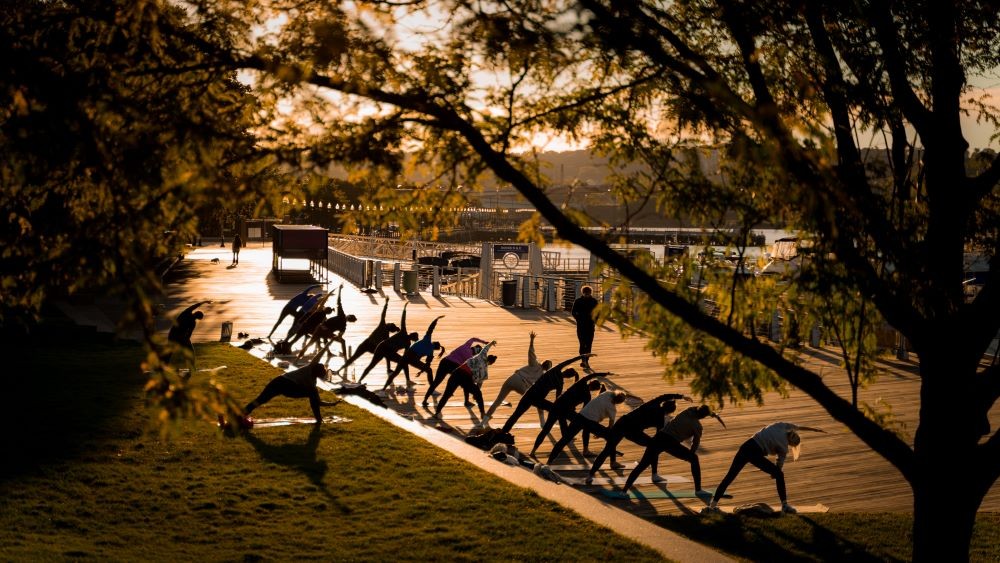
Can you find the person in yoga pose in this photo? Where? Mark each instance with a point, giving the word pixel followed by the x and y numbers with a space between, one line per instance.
pixel 684 426
pixel 331 330
pixel 451 362
pixel 777 439
pixel 564 407
pixel 385 349
pixel 293 305
pixel 310 319
pixel 469 380
pixel 182 330
pixel 381 332
pixel 296 384
pixel 535 396
pixel 522 379
pixel 632 425
pixel 422 349
pixel 589 418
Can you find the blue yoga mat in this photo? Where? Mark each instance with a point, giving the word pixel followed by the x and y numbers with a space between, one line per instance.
pixel 661 493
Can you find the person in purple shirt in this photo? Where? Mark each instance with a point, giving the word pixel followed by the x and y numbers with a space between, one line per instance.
pixel 450 363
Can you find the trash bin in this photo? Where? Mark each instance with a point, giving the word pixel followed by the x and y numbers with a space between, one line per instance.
pixel 410 282
pixel 508 292
pixel 227 331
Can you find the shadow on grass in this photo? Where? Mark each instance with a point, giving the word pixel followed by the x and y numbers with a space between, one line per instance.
pixel 300 457
pixel 62 394
pixel 764 538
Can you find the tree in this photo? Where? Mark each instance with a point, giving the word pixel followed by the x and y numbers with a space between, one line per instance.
pixel 113 138
pixel 789 89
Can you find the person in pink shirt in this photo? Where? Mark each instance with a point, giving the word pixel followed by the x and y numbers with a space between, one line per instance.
pixel 451 362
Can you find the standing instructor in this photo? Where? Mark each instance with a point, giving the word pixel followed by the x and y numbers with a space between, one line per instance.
pixel 583 312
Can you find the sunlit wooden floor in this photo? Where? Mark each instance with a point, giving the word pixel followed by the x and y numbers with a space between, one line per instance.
pixel 835 469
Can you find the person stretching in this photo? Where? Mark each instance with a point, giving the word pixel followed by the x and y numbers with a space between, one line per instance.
pixel 292 306
pixel 331 330
pixel 381 332
pixel 564 408
pixel 522 379
pixel 386 348
pixel 684 426
pixel 182 330
pixel 295 384
pixel 469 380
pixel 775 439
pixel 633 425
pixel 450 363
pixel 422 349
pixel 551 380
pixel 589 418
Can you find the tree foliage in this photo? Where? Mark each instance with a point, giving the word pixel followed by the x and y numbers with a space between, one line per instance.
pixel 793 94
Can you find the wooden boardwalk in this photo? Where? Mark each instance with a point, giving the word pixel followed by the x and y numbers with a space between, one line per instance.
pixel 835 469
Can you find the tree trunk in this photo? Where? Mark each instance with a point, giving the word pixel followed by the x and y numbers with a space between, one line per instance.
pixel 948 482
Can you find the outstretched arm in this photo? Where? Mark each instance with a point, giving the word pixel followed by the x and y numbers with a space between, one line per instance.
pixel 809 429
pixel 570 361
pixel 532 358
pixel 434 323
pixel 385 309
pixel 195 306
pixel 402 320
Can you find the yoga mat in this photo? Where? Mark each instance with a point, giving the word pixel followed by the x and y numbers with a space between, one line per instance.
pixel 643 480
pixel 288 421
pixel 518 426
pixel 661 493
pixel 807 509
pixel 585 466
pixel 460 404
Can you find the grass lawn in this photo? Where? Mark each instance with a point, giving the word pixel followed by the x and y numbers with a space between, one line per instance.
pixel 82 478
pixel 823 537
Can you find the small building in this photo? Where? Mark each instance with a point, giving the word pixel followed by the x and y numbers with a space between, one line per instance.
pixel 303 244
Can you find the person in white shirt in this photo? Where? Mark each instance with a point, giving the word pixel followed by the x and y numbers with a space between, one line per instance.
pixel 777 439
pixel 523 379
pixel 685 426
pixel 603 406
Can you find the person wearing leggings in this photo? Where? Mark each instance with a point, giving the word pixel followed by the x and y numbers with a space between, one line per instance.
pixel 564 408
pixel 777 439
pixel 451 362
pixel 293 305
pixel 381 332
pixel 632 425
pixel 422 349
pixel 331 330
pixel 684 426
pixel 551 380
pixel 296 384
pixel 469 380
pixel 522 379
pixel 589 418
pixel 388 347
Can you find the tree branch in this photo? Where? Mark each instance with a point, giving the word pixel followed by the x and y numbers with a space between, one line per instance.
pixel 895 67
pixel 987 181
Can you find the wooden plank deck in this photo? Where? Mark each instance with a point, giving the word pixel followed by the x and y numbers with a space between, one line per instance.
pixel 835 469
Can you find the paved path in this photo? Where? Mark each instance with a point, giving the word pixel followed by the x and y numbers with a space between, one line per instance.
pixel 836 469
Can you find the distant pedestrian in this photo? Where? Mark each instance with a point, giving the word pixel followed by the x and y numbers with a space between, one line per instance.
pixel 779 439
pixel 583 313
pixel 237 245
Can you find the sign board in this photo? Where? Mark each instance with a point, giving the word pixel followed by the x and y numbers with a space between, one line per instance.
pixel 499 250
